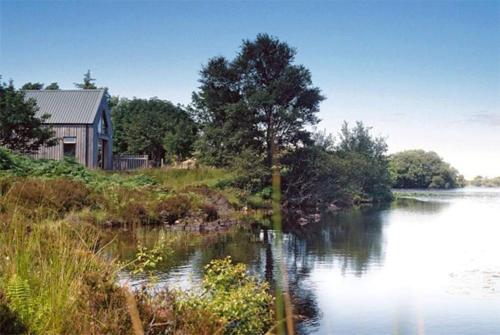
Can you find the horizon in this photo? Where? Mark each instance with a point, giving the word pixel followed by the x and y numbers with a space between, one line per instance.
pixel 424 75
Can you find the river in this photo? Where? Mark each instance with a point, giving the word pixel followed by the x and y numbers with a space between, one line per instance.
pixel 428 263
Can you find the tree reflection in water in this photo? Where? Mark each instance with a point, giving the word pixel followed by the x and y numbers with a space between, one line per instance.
pixel 349 241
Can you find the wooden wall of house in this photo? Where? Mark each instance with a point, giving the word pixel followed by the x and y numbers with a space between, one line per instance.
pixel 82 144
pixel 87 139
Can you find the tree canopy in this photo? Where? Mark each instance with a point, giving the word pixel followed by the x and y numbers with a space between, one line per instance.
pixel 20 129
pixel 40 86
pixel 154 127
pixel 52 86
pixel 480 181
pixel 258 100
pixel 32 86
pixel 88 82
pixel 351 171
pixel 423 169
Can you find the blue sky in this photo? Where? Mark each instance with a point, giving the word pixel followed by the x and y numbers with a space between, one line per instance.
pixel 423 74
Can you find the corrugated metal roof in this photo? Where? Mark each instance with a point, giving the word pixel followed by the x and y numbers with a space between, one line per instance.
pixel 67 106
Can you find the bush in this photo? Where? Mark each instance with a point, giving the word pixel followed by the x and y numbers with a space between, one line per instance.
pixel 480 181
pixel 250 170
pixel 174 208
pixel 159 317
pixel 422 169
pixel 232 295
pixel 105 301
pixel 353 171
pixel 210 212
pixel 118 204
pixel 47 197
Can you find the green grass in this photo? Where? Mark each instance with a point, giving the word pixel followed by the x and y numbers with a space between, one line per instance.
pixel 42 271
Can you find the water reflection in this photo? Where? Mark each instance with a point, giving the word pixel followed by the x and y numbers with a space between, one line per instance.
pixel 421 205
pixel 374 270
pixel 351 240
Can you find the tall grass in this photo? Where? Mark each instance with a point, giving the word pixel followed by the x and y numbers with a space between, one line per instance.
pixel 43 268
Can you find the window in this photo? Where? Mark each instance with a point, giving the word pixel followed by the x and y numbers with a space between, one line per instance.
pixel 69 150
pixel 69 139
pixel 69 146
pixel 102 125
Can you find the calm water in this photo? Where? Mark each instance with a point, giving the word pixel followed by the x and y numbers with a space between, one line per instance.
pixel 427 264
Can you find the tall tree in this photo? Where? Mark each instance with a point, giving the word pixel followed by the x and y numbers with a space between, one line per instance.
pixel 88 82
pixel 32 86
pixel 20 129
pixel 259 100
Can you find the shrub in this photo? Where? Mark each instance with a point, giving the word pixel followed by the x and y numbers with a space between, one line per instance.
pixel 137 213
pixel 251 171
pixel 210 212
pixel 6 159
pixel 47 197
pixel 255 201
pixel 105 302
pixel 174 208
pixel 159 316
pixel 120 205
pixel 230 294
pixel 423 169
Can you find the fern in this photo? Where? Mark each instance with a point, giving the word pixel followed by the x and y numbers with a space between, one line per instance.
pixel 18 293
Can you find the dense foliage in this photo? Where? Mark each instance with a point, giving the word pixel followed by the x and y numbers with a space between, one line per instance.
pixel 40 86
pixel 352 171
pixel 154 127
pixel 20 129
pixel 231 295
pixel 480 181
pixel 422 169
pixel 251 114
pixel 258 101
pixel 23 166
pixel 258 106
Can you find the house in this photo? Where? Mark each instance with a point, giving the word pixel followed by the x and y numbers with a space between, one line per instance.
pixel 81 121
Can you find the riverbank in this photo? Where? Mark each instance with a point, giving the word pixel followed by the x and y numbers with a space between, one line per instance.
pixel 56 277
pixel 362 261
pixel 53 260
